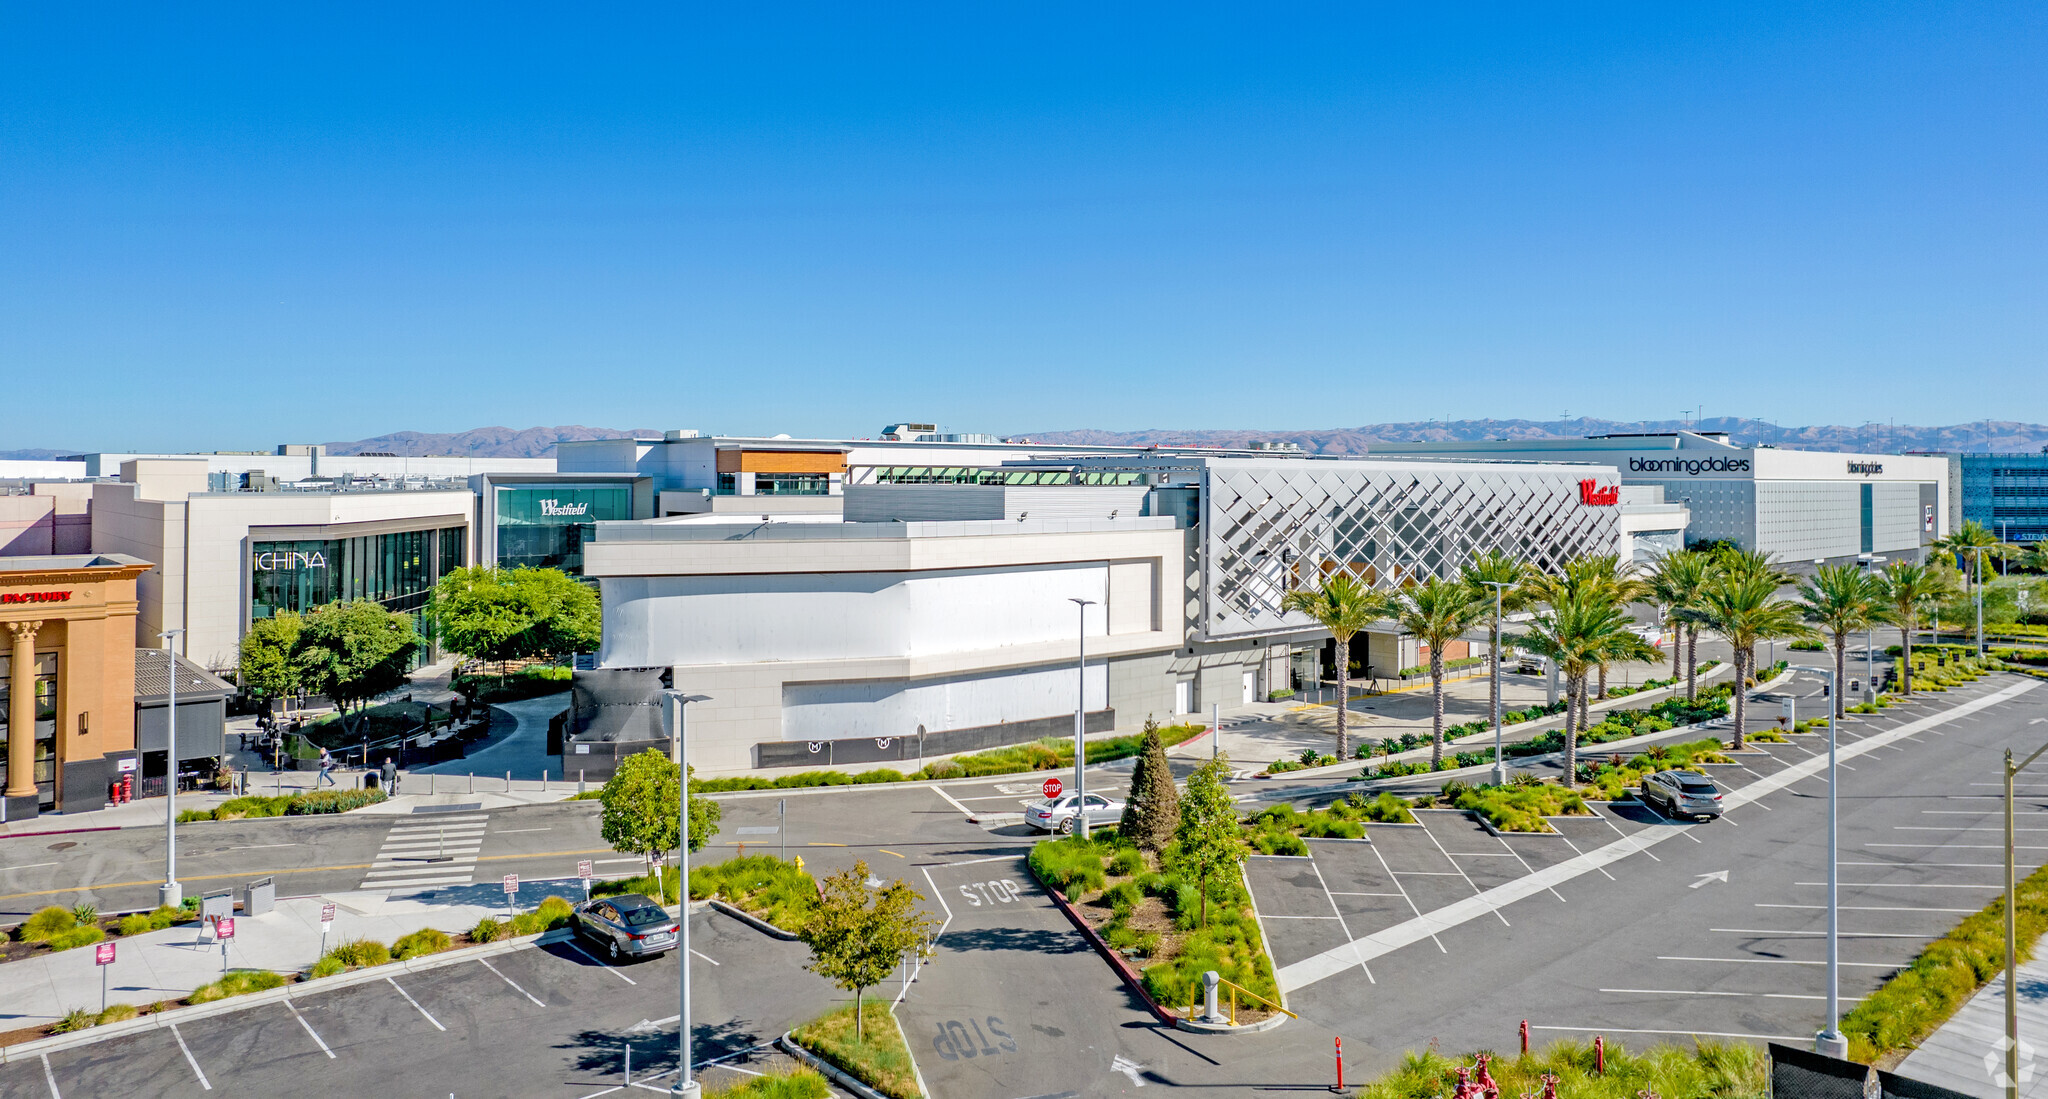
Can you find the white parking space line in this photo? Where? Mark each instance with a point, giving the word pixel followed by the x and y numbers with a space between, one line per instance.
pixel 1774 961
pixel 1425 873
pixel 50 1077
pixel 310 1032
pixel 706 957
pixel 1704 992
pixel 973 862
pixel 1340 893
pixel 1476 891
pixel 571 944
pixel 1904 885
pixel 1915 865
pixel 416 1005
pixel 1339 917
pixel 1396 879
pixel 515 984
pixel 951 800
pixel 1960 846
pixel 30 865
pixel 189 1059
pixel 509 831
pixel 1959 828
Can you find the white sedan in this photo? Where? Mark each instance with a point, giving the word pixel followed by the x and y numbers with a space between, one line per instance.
pixel 1057 815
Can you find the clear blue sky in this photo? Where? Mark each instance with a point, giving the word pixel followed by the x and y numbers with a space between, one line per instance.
pixel 241 227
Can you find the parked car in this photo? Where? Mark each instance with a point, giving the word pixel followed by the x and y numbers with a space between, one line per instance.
pixel 1058 815
pixel 1529 664
pixel 1682 794
pixel 628 925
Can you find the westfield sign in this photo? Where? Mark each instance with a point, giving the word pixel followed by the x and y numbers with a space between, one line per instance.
pixel 1593 493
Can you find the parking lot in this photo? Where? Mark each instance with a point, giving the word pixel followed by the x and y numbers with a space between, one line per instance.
pixel 1635 926
pixel 546 1021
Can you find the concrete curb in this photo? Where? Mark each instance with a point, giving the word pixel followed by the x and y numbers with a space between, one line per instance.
pixel 758 924
pixel 1225 1028
pixel 831 1071
pixel 1116 961
pixel 163 1019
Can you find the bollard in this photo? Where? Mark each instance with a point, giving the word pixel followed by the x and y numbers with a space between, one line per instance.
pixel 580 788
pixel 629 1063
pixel 1599 1055
pixel 508 782
pixel 543 781
pixel 1340 1065
pixel 1525 1036
pixel 472 782
pixel 1210 979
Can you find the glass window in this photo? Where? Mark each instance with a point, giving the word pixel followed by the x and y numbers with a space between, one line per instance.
pixel 545 526
pixel 792 484
pixel 45 750
pixel 396 570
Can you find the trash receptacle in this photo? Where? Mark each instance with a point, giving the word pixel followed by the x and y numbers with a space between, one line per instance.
pixel 260 897
pixel 371 779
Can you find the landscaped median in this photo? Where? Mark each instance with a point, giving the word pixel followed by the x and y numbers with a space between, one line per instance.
pixel 53 928
pixel 1704 1070
pixel 315 803
pixel 879 1059
pixel 1049 754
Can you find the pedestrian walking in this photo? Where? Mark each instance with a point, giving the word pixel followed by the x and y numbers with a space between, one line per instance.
pixel 390 777
pixel 326 770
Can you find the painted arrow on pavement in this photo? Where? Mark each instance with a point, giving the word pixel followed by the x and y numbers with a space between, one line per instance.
pixel 1718 875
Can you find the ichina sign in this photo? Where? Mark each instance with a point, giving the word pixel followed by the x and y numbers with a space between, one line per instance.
pixel 35 597
pixel 273 560
pixel 1593 493
pixel 558 508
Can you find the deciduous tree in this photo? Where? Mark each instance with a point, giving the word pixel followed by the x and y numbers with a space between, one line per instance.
pixel 858 935
pixel 502 615
pixel 1209 837
pixel 642 812
pixel 268 664
pixel 353 652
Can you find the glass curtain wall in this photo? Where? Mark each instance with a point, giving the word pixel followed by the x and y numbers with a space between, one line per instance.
pixel 396 570
pixel 46 722
pixel 543 526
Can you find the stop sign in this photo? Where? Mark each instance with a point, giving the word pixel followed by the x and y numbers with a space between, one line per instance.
pixel 1051 788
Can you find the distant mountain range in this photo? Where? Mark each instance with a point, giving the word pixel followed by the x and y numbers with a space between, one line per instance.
pixel 2002 436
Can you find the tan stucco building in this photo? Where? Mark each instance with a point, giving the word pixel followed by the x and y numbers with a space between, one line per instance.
pixel 67 678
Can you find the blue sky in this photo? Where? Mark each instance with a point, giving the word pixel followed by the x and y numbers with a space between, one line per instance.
pixel 235 228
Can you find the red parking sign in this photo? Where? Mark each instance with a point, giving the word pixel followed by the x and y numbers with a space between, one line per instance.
pixel 326 913
pixel 583 869
pixel 225 929
pixel 104 954
pixel 511 883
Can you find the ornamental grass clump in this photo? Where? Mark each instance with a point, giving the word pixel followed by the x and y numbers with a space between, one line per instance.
pixel 239 982
pixel 763 886
pixel 1704 1070
pixel 1070 864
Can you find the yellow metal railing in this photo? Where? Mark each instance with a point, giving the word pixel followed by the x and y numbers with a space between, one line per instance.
pixel 1194 1003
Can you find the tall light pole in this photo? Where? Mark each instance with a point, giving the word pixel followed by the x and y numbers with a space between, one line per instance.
pixel 170 893
pixel 685 1087
pixel 2012 1018
pixel 1081 717
pixel 1500 772
pixel 1980 601
pixel 1829 1039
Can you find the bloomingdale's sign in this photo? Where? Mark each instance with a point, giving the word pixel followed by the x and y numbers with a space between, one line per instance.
pixel 1691 467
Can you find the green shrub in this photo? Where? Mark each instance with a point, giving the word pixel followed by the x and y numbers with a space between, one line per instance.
pixel 488 930
pixel 1388 809
pixel 85 913
pixel 77 1018
pixel 1124 896
pixel 238 982
pixel 118 1013
pixel 164 915
pixel 71 937
pixel 1324 825
pixel 1070 864
pixel 137 924
pixel 1703 1069
pixel 549 914
pixel 1522 808
pixel 1126 862
pixel 762 886
pixel 356 953
pixel 796 1083
pixel 45 924
pixel 328 966
pixel 882 1062
pixel 667 892
pixel 425 941
pixel 333 801
pixel 1279 843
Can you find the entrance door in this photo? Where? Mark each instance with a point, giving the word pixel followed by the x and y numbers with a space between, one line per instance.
pixel 1251 686
pixel 1183 697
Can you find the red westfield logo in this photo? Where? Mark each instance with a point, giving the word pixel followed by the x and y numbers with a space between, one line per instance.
pixel 1591 492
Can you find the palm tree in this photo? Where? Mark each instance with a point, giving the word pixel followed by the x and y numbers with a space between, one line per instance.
pixel 1675 585
pixel 1343 606
pixel 1907 589
pixel 1841 600
pixel 1971 540
pixel 1604 574
pixel 1437 612
pixel 1480 574
pixel 1577 631
pixel 1744 609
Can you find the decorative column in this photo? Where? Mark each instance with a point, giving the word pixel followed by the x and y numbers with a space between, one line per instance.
pixel 21 712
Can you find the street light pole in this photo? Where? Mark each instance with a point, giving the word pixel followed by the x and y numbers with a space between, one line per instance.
pixel 1500 773
pixel 1829 1039
pixel 685 1087
pixel 2012 1018
pixel 170 893
pixel 1081 717
pixel 1980 602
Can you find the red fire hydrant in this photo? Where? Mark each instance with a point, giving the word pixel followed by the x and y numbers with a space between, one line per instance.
pixel 1525 1036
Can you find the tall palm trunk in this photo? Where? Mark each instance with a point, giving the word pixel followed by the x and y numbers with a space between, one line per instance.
pixel 1436 717
pixel 1906 655
pixel 1692 663
pixel 1603 680
pixel 1343 697
pixel 1841 669
pixel 1571 733
pixel 1742 658
pixel 1677 650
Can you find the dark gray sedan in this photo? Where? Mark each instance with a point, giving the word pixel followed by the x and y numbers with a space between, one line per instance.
pixel 627 926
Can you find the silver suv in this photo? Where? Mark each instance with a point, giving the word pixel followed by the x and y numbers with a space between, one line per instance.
pixel 1682 794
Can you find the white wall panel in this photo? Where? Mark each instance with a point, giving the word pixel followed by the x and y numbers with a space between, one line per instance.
pixel 876 708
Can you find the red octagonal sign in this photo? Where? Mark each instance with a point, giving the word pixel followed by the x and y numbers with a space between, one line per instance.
pixel 1052 788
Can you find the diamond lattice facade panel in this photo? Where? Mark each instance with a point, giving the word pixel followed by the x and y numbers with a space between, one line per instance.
pixel 1270 526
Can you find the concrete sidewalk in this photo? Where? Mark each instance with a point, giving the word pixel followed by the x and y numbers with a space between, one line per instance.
pixel 1954 1055
pixel 169 964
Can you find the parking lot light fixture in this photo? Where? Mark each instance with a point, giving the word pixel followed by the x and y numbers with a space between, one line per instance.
pixel 170 894
pixel 685 1087
pixel 1829 1039
pixel 1081 719
pixel 2012 1017
pixel 1500 773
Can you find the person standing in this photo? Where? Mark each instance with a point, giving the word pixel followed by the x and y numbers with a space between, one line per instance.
pixel 390 777
pixel 326 770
